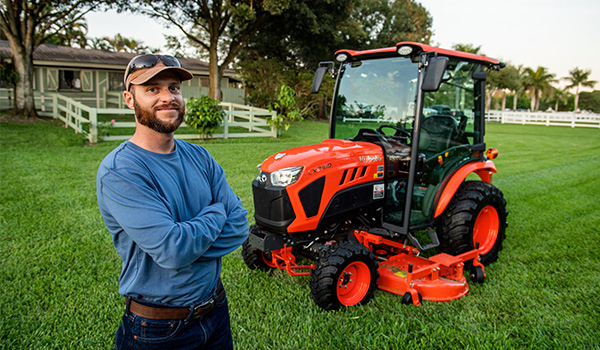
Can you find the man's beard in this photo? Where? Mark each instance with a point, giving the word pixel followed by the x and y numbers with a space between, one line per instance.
pixel 148 118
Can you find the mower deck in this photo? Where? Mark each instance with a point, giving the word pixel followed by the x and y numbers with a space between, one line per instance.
pixel 439 278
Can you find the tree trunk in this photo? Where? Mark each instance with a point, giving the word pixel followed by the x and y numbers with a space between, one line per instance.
pixel 215 73
pixel 515 97
pixel 22 56
pixel 503 100
pixel 533 98
pixel 576 99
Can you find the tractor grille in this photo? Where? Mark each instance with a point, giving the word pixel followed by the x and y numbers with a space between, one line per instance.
pixel 352 174
pixel 272 207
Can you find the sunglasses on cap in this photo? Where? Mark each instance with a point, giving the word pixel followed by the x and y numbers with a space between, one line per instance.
pixel 149 61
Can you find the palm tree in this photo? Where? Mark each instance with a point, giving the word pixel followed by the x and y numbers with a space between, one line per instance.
pixel 538 83
pixel 70 30
pixel 577 79
pixel 559 96
pixel 521 84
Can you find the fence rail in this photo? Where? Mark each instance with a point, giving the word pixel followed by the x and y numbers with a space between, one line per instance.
pixel 84 120
pixel 588 120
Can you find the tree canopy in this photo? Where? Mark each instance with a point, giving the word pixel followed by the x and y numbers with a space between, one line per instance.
pixel 26 25
pixel 219 27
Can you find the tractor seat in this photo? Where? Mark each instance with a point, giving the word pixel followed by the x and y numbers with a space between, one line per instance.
pixel 437 131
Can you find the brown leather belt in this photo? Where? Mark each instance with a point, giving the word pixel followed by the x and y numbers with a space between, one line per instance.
pixel 175 313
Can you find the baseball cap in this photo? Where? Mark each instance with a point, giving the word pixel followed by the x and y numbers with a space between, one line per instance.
pixel 144 67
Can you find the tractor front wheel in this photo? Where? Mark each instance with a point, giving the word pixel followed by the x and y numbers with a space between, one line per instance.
pixel 475 217
pixel 345 275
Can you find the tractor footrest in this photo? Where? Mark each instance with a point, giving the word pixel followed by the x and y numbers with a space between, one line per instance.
pixel 446 260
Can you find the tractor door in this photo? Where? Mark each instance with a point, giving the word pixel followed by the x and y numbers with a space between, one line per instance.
pixel 451 124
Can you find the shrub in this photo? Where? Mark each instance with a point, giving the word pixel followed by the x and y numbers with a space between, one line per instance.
pixel 204 115
pixel 286 109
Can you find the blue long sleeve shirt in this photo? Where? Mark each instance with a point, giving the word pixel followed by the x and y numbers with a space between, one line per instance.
pixel 172 217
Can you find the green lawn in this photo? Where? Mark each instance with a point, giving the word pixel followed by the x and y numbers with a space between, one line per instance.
pixel 58 267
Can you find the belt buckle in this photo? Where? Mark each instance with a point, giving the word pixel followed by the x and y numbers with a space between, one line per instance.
pixel 204 306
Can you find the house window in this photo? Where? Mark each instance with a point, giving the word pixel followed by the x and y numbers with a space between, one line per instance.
pixel 115 81
pixel 69 80
pixel 204 81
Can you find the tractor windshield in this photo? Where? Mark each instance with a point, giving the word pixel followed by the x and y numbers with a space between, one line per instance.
pixel 372 93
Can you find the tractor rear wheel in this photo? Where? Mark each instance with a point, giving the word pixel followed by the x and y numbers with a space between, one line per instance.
pixel 345 275
pixel 255 258
pixel 476 216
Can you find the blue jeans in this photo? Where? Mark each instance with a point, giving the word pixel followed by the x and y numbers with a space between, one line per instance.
pixel 212 331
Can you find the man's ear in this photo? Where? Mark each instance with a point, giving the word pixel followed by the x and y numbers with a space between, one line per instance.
pixel 128 96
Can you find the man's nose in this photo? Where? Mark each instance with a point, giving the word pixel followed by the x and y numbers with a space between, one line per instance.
pixel 166 95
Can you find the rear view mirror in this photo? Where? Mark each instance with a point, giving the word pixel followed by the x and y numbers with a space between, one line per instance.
pixel 434 73
pixel 318 79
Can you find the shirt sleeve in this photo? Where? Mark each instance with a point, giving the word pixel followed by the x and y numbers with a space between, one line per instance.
pixel 142 214
pixel 235 230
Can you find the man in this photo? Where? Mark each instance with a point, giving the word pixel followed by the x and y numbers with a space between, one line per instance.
pixel 172 216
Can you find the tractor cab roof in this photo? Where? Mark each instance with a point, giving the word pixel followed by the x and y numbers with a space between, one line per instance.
pixel 413 49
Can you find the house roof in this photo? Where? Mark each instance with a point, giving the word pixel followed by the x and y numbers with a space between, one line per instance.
pixel 54 55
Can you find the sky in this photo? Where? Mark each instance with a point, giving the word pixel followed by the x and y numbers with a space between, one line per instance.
pixel 557 34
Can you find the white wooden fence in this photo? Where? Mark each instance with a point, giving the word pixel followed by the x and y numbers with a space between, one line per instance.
pixel 84 120
pixel 589 120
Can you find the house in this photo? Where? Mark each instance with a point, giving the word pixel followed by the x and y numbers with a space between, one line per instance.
pixel 95 77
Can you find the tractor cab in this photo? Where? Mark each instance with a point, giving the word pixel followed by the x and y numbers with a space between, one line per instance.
pixel 419 103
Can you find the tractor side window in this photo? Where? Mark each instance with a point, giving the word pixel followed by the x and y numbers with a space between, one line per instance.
pixel 449 114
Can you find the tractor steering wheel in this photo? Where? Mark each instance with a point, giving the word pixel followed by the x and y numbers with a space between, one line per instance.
pixel 401 134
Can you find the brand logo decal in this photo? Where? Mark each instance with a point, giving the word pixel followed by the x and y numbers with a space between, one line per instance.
pixel 370 159
pixel 319 168
pixel 278 156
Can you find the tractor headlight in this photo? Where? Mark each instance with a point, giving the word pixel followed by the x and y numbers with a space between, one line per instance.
pixel 286 176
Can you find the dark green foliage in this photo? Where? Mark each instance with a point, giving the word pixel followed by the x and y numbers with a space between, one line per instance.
pixel 203 114
pixel 590 101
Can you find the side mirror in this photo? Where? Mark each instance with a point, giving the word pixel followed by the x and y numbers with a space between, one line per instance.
pixel 318 79
pixel 434 73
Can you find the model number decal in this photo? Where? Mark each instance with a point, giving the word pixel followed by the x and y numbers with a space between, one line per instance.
pixel 319 168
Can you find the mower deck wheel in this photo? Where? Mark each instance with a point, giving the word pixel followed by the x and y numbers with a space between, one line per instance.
pixel 477 274
pixel 407 298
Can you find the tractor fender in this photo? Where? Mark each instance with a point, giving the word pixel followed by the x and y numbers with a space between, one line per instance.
pixel 483 169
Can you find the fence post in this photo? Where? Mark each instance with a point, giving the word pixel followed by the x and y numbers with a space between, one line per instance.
pixel 273 130
pixel 54 106
pixel 226 126
pixel 93 136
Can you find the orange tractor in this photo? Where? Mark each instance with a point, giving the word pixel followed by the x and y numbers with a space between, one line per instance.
pixel 356 211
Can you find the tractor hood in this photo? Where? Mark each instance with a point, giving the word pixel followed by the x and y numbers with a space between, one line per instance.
pixel 327 155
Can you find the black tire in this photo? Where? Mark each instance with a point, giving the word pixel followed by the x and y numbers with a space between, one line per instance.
pixel 407 298
pixel 473 201
pixel 477 274
pixel 345 275
pixel 255 258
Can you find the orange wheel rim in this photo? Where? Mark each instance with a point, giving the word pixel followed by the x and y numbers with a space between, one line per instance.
pixel 353 283
pixel 267 259
pixel 485 230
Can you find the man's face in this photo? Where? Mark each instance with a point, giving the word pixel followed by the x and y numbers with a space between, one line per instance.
pixel 158 103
